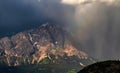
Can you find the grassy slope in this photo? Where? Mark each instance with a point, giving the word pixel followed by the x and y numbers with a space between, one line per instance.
pixel 40 68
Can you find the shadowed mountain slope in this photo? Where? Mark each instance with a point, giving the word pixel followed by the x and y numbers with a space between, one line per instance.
pixel 102 67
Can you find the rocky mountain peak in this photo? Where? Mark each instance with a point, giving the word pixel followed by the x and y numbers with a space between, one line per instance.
pixel 33 46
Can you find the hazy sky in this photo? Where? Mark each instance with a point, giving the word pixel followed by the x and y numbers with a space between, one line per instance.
pixel 93 25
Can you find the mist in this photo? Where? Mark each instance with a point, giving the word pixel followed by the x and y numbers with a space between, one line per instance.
pixel 93 25
pixel 98 30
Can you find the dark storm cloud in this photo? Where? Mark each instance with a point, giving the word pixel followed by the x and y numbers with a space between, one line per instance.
pixel 17 15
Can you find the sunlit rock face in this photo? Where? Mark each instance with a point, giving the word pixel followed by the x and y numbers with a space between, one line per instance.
pixel 35 45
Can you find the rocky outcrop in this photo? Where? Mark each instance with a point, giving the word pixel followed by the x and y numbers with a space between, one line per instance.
pixel 32 46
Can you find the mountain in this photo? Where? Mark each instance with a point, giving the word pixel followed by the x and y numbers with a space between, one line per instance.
pixel 102 67
pixel 48 45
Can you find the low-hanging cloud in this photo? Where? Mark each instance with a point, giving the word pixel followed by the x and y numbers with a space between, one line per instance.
pixel 94 25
